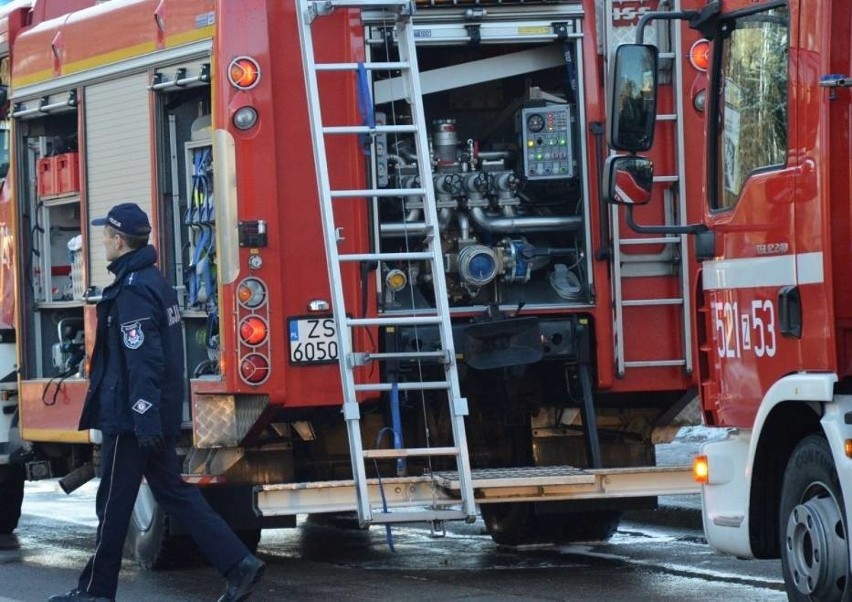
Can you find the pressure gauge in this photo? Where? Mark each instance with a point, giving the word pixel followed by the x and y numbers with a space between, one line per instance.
pixel 535 122
pixel 254 262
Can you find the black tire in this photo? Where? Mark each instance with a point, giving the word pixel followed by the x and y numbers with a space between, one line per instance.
pixel 813 527
pixel 150 540
pixel 518 524
pixel 509 524
pixel 11 497
pixel 572 527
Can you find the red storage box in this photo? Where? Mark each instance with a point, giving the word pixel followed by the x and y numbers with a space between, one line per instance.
pixel 46 180
pixel 67 173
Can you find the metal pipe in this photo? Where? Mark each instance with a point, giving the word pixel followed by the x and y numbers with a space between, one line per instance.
pixel 77 477
pixel 464 225
pixel 413 228
pixel 525 224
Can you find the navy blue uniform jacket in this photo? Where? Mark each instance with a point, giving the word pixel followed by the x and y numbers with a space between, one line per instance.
pixel 137 370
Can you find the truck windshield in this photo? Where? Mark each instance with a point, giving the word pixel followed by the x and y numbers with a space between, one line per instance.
pixel 752 101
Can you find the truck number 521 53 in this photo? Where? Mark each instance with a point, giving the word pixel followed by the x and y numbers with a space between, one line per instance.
pixel 750 331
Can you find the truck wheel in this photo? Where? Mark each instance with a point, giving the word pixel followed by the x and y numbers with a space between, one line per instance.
pixel 814 546
pixel 149 537
pixel 11 497
pixel 570 527
pixel 509 524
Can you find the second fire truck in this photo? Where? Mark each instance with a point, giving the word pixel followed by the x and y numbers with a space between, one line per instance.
pixel 773 312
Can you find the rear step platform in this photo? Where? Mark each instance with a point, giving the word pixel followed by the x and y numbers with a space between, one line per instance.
pixel 490 485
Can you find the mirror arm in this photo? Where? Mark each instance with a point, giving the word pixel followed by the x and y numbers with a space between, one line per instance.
pixel 684 15
pixel 688 229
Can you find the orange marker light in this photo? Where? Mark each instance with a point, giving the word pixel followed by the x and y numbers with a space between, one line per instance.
pixel 251 293
pixel 699 55
pixel 244 73
pixel 847 448
pixel 701 470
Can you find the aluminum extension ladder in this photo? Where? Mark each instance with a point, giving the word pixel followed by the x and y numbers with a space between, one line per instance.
pixel 401 11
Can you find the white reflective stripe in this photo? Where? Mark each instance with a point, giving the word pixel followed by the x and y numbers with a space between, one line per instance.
pixel 809 268
pixel 755 272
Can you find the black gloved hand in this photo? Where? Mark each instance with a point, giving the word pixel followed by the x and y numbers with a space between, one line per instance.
pixel 153 444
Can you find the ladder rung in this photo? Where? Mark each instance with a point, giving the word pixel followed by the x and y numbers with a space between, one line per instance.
pixel 418 256
pixel 359 359
pixel 395 321
pixel 650 241
pixel 390 66
pixel 410 452
pixel 651 302
pixel 363 129
pixel 417 386
pixel 666 178
pixel 328 5
pixel 370 192
pixel 654 363
pixel 422 516
pixel 667 117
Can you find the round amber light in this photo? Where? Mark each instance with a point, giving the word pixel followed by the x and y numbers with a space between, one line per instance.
pixel 699 55
pixel 244 73
pixel 251 293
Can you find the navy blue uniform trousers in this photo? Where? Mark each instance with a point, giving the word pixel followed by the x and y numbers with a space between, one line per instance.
pixel 123 465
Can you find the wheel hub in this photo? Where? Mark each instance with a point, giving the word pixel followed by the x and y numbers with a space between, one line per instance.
pixel 817 549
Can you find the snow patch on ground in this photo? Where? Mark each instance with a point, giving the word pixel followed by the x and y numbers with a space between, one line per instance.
pixel 699 434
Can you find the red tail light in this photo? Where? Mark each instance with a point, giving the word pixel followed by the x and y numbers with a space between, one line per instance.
pixel 254 368
pixel 253 330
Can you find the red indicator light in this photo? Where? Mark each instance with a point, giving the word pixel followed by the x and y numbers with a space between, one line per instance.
pixel 254 368
pixel 253 331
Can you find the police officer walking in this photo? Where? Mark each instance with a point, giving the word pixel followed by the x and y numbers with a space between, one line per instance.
pixel 135 399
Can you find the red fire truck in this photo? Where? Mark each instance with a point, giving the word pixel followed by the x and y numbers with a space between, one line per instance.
pixel 393 208
pixel 771 315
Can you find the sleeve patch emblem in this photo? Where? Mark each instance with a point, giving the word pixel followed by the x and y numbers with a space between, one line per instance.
pixel 132 335
pixel 142 406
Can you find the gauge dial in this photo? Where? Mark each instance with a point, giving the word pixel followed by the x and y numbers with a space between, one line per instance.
pixel 535 122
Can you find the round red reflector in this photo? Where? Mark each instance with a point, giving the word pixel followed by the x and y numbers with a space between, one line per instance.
pixel 244 73
pixel 254 368
pixel 699 55
pixel 253 331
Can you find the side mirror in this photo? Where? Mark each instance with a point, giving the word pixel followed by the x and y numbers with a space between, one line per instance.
pixel 628 180
pixel 633 98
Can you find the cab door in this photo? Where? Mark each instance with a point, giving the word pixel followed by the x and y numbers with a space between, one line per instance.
pixel 759 262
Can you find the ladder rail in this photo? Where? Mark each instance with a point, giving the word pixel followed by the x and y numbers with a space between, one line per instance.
pixel 308 11
pixel 681 195
pixel 671 241
pixel 408 53
pixel 351 410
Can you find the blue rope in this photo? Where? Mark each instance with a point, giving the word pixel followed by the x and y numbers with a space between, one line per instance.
pixel 365 106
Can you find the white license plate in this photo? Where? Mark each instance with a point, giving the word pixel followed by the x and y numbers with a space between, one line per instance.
pixel 313 341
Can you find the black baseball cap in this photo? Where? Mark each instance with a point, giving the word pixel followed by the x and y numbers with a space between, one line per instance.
pixel 127 218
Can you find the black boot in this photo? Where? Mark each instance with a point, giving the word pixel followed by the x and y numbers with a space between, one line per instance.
pixel 242 579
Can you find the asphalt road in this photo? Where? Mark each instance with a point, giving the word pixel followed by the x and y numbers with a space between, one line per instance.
pixel 321 562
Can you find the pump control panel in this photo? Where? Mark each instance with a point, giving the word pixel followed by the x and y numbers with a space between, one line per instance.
pixel 546 141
